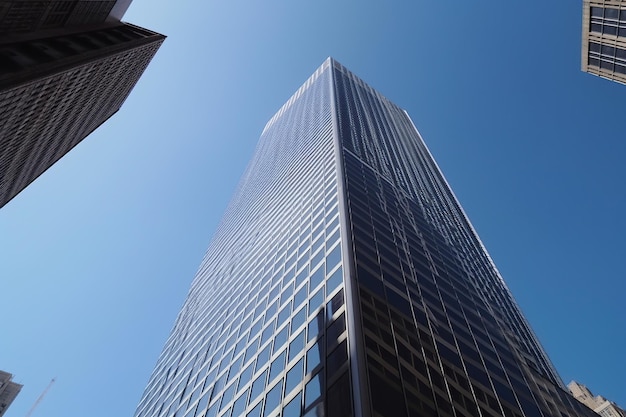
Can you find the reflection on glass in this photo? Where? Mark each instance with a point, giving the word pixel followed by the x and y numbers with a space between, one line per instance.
pixel 294 377
pixel 312 391
pixel 294 408
pixel 272 400
pixel 313 357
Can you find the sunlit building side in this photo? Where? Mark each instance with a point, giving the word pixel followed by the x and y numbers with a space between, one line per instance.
pixel 346 280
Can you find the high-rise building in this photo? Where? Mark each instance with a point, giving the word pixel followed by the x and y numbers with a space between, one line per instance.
pixel 604 39
pixel 346 280
pixel 65 68
pixel 8 391
pixel 597 403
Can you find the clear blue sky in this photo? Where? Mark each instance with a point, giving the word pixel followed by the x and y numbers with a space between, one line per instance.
pixel 97 255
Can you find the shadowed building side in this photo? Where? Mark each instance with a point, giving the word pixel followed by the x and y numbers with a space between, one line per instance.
pixel 66 66
pixel 8 391
pixel 55 91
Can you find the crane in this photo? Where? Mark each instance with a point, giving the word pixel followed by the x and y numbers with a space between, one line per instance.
pixel 43 394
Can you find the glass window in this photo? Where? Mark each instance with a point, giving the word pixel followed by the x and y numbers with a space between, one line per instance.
pixel 246 375
pixel 298 319
pixel 267 333
pixel 316 301
pixel 315 326
pixel 596 11
pixel 256 411
pixel 610 13
pixel 339 398
pixel 335 280
pixel 271 310
pixel 317 277
pixel 594 62
pixel 284 296
pixel 272 400
pixel 313 390
pixel 212 411
pixel 300 297
pixel 334 257
pixel 334 305
pixel 314 357
pixel 284 314
pixel 336 358
pixel 240 404
pixel 296 346
pixel 263 357
pixel 609 30
pixel 317 258
pixel 277 366
pixel 594 47
pixel 606 65
pixel 302 276
pixel 294 408
pixel 258 386
pixel 608 50
pixel 335 330
pixel 280 339
pixel 228 395
pixel 294 376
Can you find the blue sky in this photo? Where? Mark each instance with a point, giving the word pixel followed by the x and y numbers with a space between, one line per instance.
pixel 97 255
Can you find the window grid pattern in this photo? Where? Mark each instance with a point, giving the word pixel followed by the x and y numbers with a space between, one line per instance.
pixel 604 39
pixel 607 57
pixel 608 21
pixel 263 329
pixel 441 331
pixel 44 114
pixel 28 16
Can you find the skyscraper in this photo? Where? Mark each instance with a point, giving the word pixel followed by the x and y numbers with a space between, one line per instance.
pixel 65 68
pixel 346 280
pixel 604 39
pixel 597 403
pixel 8 391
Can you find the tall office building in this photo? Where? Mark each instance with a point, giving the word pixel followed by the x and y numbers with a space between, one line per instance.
pixel 604 39
pixel 597 403
pixel 65 68
pixel 346 280
pixel 8 391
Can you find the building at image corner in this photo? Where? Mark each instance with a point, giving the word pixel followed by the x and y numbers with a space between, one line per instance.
pixel 65 68
pixel 346 280
pixel 604 39
pixel 597 403
pixel 8 391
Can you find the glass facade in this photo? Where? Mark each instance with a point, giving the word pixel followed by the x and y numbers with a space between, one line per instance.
pixel 345 280
pixel 604 39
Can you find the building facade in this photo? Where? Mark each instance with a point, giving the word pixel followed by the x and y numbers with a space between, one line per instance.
pixel 604 39
pixel 66 67
pixel 597 403
pixel 8 391
pixel 346 280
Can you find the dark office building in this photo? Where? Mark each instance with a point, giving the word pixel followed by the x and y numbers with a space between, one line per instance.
pixel 8 391
pixel 65 68
pixel 346 280
pixel 604 39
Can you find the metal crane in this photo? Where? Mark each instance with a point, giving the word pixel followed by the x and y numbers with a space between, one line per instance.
pixel 43 394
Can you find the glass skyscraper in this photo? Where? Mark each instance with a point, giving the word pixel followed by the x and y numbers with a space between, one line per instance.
pixel 346 280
